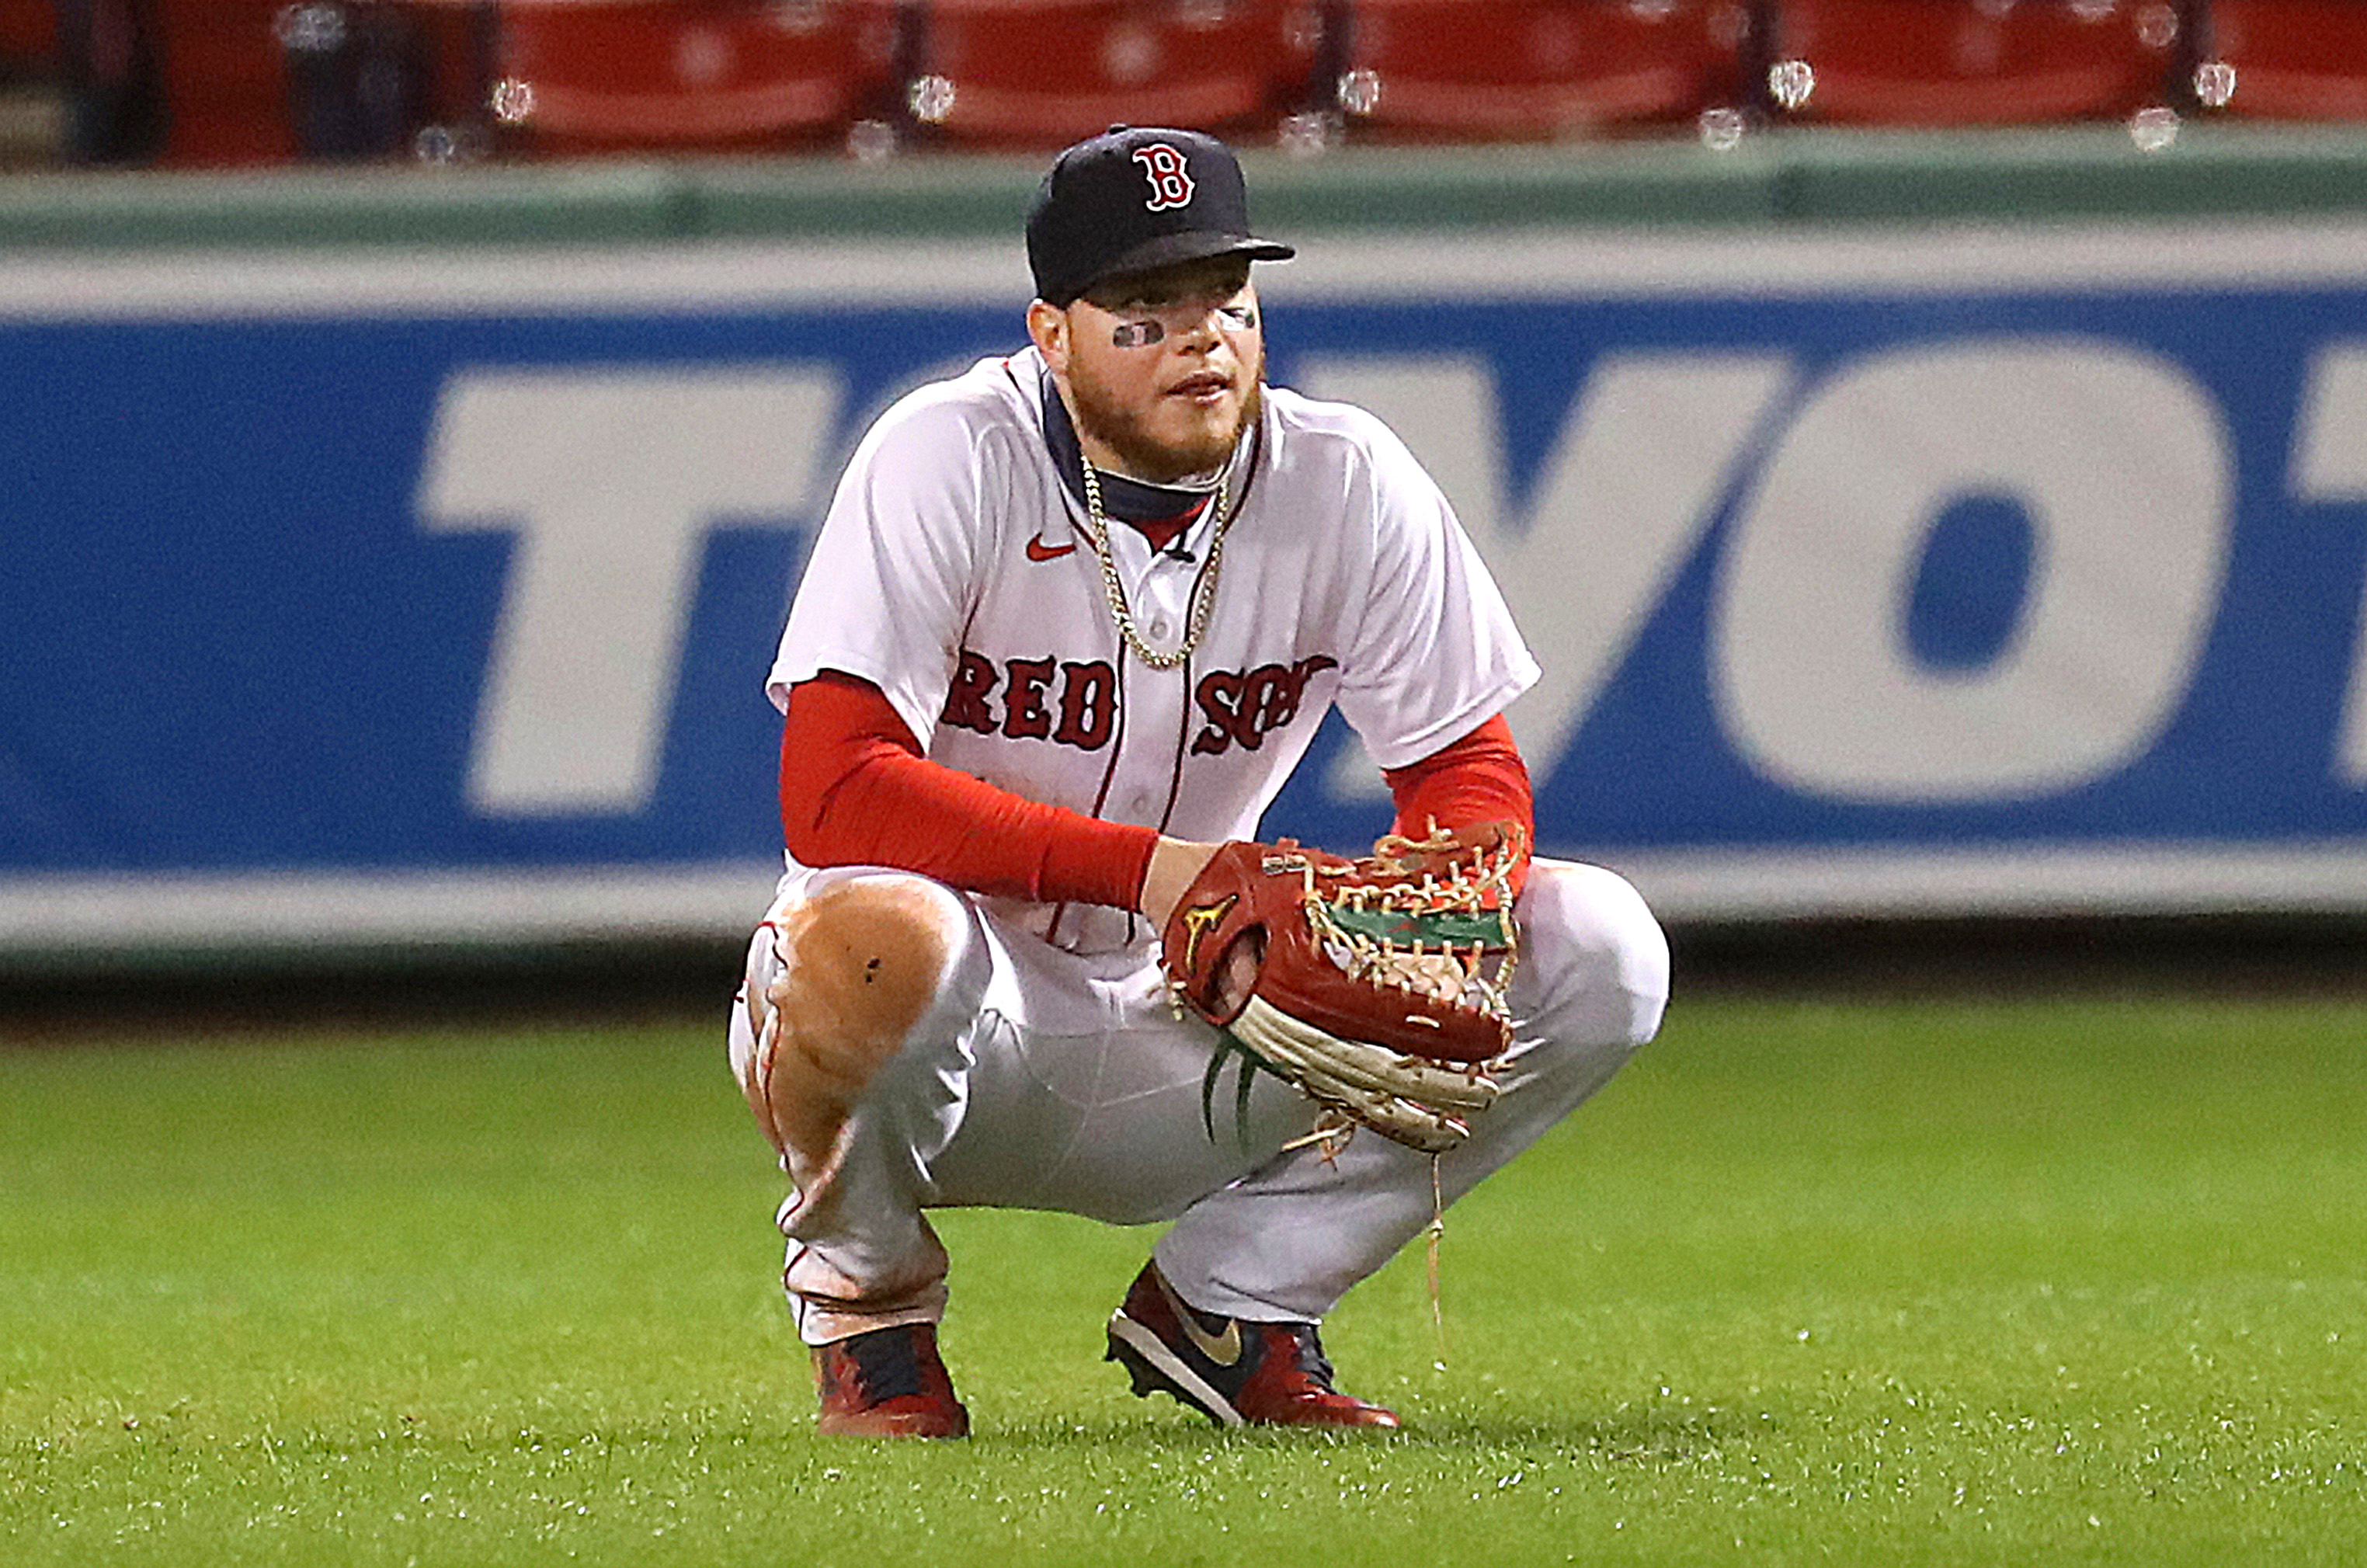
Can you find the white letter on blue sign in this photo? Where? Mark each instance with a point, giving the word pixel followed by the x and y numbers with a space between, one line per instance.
pixel 2331 465
pixel 2121 464
pixel 1619 505
pixel 610 479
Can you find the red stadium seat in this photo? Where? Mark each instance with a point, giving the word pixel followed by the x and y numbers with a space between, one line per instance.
pixel 2284 59
pixel 28 36
pixel 619 75
pixel 1045 72
pixel 225 89
pixel 1534 70
pixel 1960 63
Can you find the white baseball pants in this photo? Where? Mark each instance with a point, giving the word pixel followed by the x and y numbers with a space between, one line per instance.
pixel 1036 1078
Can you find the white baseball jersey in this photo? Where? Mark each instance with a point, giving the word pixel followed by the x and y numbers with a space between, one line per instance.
pixel 956 572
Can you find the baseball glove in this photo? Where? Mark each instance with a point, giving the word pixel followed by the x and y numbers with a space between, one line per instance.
pixel 1377 986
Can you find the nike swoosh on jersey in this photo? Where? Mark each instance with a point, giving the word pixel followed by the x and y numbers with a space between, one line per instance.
pixel 1038 551
pixel 1224 1349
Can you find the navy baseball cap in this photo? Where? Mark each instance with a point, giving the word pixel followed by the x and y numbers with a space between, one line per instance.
pixel 1136 197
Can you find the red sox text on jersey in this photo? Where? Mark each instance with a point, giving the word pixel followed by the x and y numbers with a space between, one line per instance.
pixel 1074 703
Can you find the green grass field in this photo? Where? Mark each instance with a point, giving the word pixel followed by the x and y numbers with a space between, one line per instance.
pixel 1944 1281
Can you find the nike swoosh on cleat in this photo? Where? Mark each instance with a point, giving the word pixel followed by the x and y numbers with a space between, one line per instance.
pixel 1224 1349
pixel 1038 551
pixel 1154 1367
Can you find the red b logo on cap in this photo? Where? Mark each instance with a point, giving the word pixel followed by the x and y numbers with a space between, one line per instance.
pixel 1169 177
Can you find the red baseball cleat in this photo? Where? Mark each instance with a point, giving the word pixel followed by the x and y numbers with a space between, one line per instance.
pixel 888 1383
pixel 1237 1373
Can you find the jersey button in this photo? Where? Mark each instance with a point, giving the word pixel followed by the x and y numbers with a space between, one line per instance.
pixel 1158 628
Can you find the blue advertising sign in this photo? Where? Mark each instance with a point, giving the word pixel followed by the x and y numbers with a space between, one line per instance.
pixel 374 596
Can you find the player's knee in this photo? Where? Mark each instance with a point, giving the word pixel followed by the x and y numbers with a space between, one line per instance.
pixel 1604 957
pixel 838 980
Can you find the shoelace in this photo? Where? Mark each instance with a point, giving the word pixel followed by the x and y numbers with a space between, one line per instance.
pixel 1312 1360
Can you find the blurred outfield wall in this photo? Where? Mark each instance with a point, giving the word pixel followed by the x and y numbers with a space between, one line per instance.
pixel 1907 527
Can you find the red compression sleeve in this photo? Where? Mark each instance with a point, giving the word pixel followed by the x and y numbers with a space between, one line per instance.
pixel 856 791
pixel 1477 779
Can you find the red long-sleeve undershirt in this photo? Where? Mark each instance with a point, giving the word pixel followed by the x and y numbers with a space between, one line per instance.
pixel 856 791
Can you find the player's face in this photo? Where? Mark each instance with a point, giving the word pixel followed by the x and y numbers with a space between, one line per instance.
pixel 1162 367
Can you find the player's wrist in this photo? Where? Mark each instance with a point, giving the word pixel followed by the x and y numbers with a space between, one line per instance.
pixel 1174 864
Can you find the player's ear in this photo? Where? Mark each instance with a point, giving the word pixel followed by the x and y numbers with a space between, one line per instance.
pixel 1048 327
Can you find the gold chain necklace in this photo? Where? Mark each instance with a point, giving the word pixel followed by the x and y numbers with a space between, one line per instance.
pixel 1204 590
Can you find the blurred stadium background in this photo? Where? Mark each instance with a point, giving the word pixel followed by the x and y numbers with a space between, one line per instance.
pixel 1926 435
pixel 217 83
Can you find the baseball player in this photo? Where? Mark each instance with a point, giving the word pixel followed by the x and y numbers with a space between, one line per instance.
pixel 1070 621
